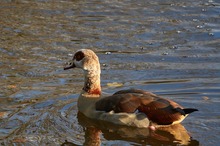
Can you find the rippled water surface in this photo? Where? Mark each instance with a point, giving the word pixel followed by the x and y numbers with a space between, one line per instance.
pixel 171 48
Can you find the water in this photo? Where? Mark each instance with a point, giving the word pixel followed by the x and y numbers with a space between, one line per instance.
pixel 168 47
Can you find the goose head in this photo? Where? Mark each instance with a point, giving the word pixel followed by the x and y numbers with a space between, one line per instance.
pixel 86 60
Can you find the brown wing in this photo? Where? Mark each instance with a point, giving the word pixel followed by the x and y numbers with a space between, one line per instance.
pixel 119 103
pixel 162 111
pixel 159 110
pixel 124 101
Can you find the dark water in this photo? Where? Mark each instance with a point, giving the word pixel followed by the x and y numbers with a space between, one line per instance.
pixel 171 48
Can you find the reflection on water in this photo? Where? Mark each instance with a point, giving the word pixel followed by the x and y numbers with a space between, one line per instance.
pixel 172 135
pixel 168 47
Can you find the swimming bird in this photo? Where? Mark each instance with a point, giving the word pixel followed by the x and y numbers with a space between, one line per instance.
pixel 132 107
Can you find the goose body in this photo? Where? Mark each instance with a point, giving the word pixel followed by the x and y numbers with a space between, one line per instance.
pixel 131 107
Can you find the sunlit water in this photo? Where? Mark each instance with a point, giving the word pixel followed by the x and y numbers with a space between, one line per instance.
pixel 167 47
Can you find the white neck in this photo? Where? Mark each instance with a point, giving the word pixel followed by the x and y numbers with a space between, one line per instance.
pixel 92 82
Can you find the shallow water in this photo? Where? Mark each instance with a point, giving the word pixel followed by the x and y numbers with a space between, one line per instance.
pixel 170 48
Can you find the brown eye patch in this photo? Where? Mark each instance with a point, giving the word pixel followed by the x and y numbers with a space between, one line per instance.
pixel 79 56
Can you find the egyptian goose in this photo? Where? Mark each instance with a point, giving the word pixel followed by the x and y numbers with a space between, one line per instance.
pixel 131 107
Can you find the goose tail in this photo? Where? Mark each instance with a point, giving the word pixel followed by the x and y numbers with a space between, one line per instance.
pixel 189 110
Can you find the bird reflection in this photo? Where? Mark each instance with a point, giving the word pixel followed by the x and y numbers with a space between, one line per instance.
pixel 170 135
pixel 92 136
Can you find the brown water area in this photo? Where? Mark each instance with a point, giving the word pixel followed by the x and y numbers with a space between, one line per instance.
pixel 171 48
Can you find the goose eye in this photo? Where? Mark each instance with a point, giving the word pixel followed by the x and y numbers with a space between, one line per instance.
pixel 79 56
